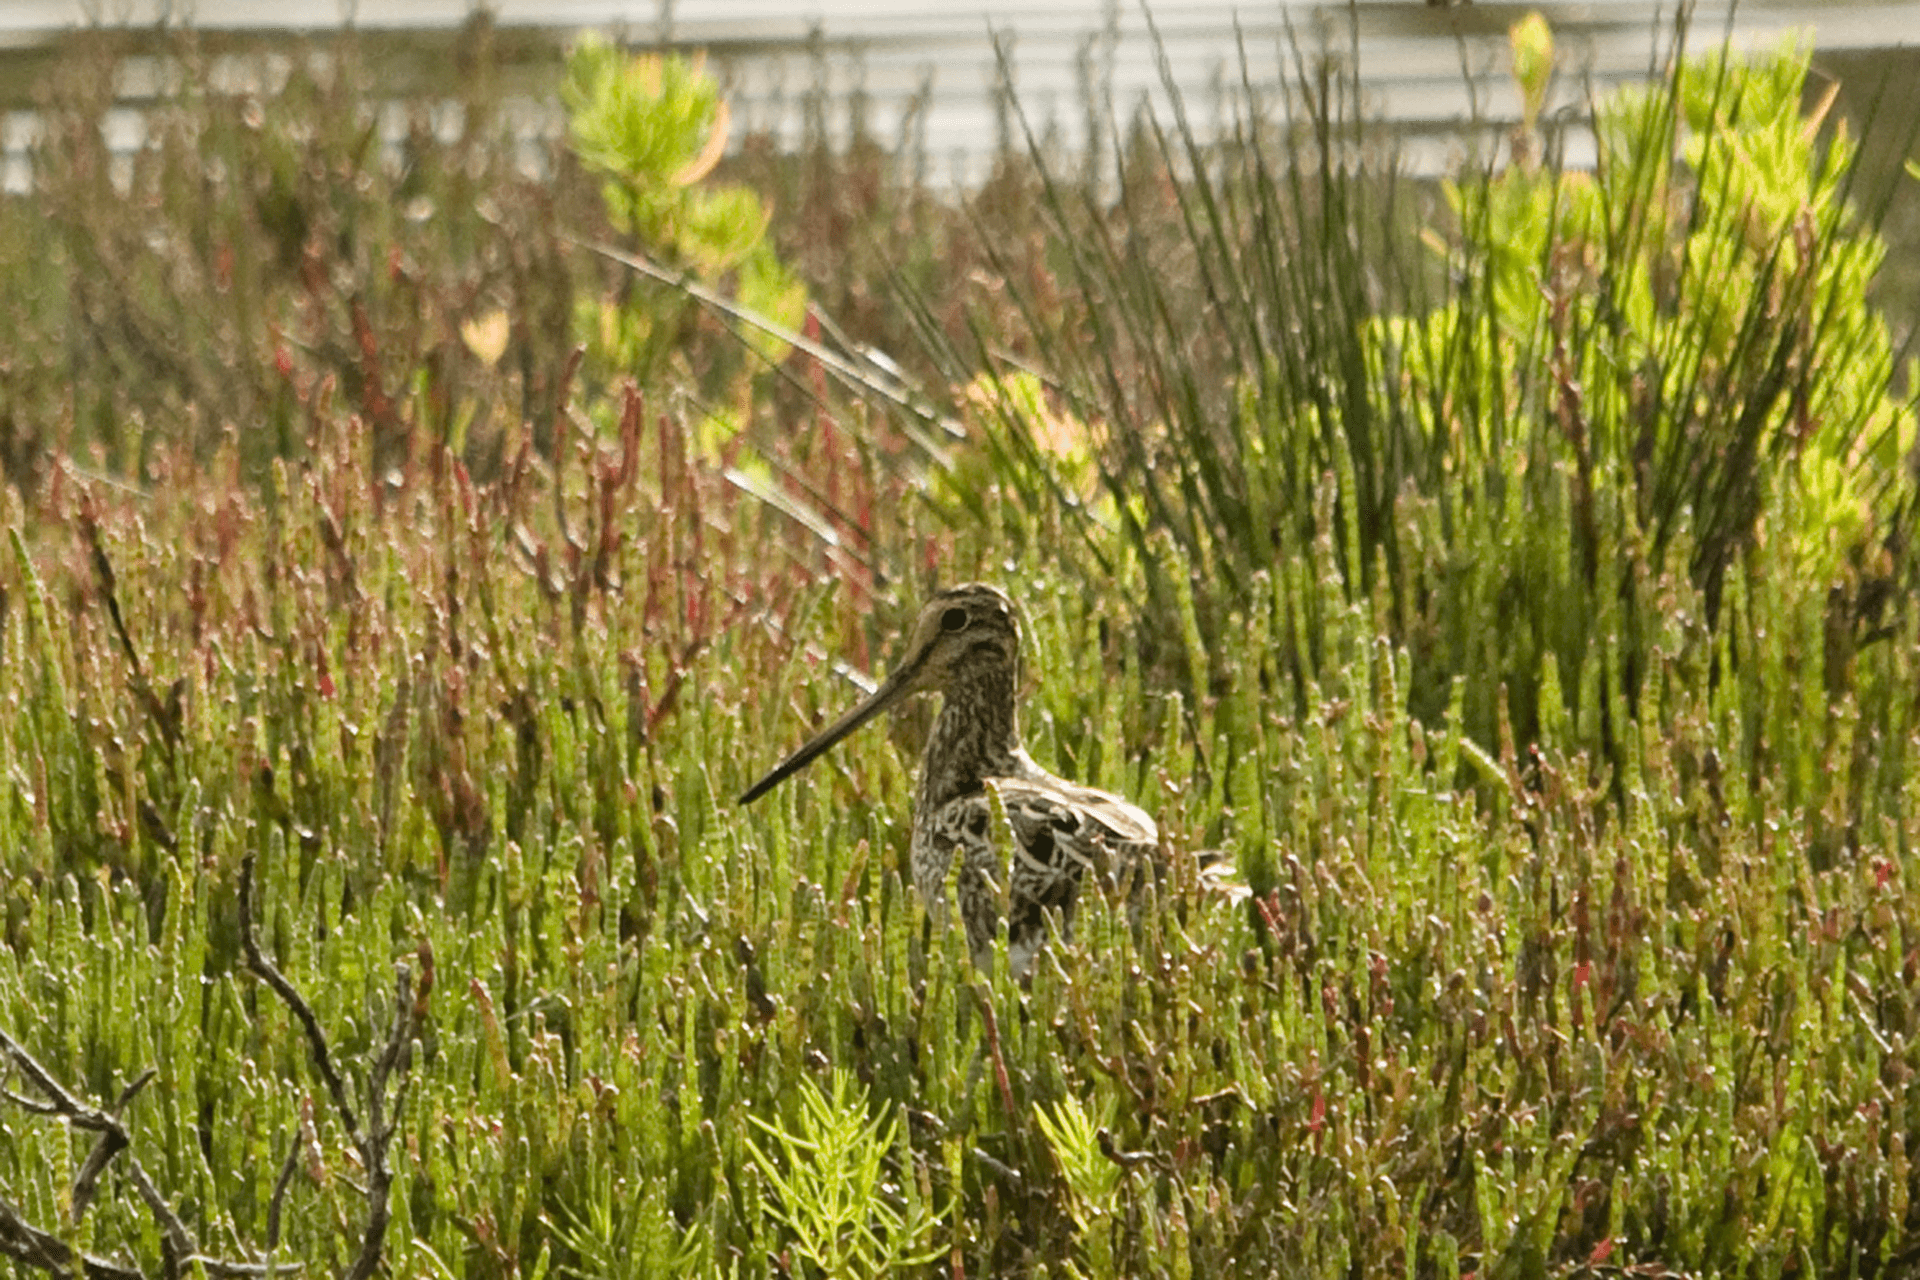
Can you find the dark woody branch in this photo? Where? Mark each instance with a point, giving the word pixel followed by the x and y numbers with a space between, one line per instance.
pixel 373 1139
pixel 384 1098
pixel 28 1244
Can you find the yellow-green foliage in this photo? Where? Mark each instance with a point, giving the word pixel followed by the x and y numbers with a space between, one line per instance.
pixel 656 127
pixel 1702 286
pixel 1533 65
pixel 828 1185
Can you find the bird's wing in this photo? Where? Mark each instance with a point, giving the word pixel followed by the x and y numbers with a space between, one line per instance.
pixel 1067 827
pixel 1100 814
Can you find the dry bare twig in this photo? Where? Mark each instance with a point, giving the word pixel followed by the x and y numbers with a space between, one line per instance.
pixel 373 1139
pixel 28 1244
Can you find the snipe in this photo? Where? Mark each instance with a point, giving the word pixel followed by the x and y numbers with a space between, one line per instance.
pixel 966 646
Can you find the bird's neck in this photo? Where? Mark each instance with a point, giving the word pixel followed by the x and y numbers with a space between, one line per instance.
pixel 975 737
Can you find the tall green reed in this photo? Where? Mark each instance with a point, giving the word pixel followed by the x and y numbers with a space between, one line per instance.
pixel 1662 368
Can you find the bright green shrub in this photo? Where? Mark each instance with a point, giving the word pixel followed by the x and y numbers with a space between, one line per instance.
pixel 655 127
pixel 1547 451
pixel 1670 366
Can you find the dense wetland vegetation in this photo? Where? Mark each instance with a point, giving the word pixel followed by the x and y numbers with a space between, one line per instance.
pixel 1514 579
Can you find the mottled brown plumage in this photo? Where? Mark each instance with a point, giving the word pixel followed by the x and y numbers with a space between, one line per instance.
pixel 966 646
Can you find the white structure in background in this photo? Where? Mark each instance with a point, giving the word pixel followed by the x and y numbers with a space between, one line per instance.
pixel 928 73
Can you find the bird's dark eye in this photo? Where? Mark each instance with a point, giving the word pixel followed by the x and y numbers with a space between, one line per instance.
pixel 954 619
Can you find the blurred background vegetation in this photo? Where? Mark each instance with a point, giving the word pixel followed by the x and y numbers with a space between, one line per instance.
pixel 1513 574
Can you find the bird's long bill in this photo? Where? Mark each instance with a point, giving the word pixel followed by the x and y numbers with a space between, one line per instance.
pixel 895 685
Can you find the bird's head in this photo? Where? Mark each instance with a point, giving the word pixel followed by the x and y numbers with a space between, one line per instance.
pixel 970 627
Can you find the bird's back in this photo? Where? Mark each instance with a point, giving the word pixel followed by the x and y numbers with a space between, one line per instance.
pixel 1060 831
